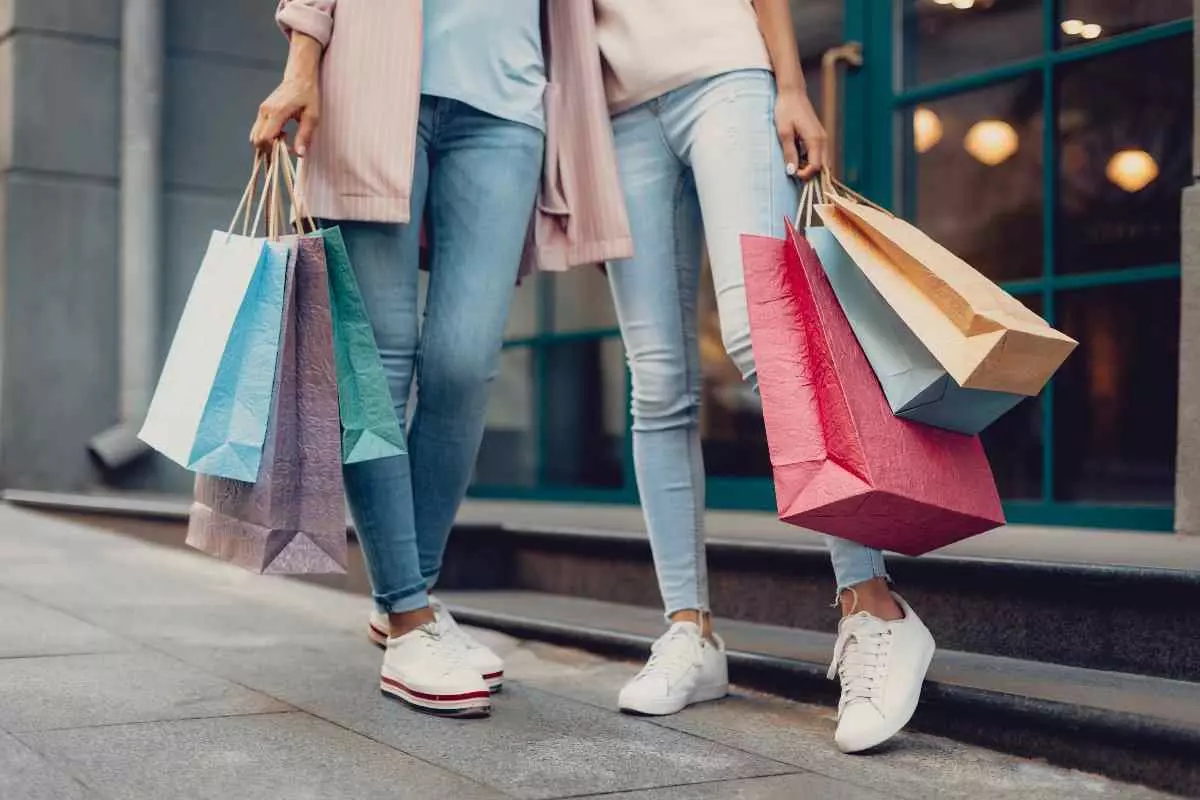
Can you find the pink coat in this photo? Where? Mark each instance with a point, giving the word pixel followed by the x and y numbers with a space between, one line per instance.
pixel 360 164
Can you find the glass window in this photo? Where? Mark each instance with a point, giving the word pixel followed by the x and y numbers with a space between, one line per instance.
pixel 1115 398
pixel 523 314
pixel 582 300
pixel 948 38
pixel 1014 442
pixel 1084 21
pixel 731 423
pixel 1125 153
pixel 584 413
pixel 974 176
pixel 508 455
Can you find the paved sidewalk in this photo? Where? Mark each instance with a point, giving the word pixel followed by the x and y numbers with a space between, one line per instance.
pixel 133 671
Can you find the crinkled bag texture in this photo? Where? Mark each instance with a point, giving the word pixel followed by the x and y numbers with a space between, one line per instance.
pixel 210 410
pixel 292 520
pixel 370 427
pixel 843 464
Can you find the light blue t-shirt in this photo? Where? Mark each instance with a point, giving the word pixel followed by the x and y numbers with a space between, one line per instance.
pixel 487 54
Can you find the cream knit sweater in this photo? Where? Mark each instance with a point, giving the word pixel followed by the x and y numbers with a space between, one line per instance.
pixel 653 46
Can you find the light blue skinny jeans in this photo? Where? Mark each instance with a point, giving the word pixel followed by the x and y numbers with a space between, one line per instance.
pixel 701 163
pixel 475 180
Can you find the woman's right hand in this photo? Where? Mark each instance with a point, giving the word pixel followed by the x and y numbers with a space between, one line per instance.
pixel 298 97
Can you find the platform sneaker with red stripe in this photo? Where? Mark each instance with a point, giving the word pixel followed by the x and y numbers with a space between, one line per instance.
pixel 424 670
pixel 470 650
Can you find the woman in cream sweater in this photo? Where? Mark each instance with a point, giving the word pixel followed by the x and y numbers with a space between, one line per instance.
pixel 713 127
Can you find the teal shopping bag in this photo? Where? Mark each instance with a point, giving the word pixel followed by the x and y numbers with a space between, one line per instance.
pixel 370 427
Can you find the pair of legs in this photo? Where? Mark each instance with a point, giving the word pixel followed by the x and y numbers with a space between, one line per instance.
pixel 700 164
pixel 474 184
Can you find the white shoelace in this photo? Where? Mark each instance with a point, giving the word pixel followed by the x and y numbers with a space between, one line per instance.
pixel 432 639
pixel 450 630
pixel 675 653
pixel 860 659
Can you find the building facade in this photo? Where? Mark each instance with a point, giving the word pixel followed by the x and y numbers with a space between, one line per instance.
pixel 1048 142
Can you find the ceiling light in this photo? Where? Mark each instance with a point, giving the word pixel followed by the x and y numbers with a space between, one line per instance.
pixel 1072 27
pixel 963 4
pixel 1091 31
pixel 1132 170
pixel 927 129
pixel 943 2
pixel 991 141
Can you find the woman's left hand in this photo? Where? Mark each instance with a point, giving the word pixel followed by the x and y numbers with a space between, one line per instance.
pixel 798 125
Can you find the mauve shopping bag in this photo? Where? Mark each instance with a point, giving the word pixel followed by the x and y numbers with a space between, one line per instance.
pixel 292 520
pixel 843 464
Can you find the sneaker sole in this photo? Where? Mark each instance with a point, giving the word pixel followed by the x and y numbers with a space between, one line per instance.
pixel 665 709
pixel 494 680
pixel 459 706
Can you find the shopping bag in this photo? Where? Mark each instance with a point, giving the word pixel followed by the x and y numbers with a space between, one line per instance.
pixel 370 427
pixel 982 336
pixel 209 412
pixel 916 386
pixel 292 520
pixel 843 464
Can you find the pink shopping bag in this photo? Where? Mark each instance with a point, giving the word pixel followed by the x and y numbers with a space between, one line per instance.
pixel 843 463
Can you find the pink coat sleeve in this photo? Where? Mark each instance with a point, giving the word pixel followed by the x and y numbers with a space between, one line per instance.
pixel 311 17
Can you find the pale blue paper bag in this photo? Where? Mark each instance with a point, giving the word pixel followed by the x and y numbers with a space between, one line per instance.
pixel 915 384
pixel 210 410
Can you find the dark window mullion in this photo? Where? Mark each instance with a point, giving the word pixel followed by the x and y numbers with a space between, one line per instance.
pixel 1049 224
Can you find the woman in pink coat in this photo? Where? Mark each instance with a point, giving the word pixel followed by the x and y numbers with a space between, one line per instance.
pixel 439 118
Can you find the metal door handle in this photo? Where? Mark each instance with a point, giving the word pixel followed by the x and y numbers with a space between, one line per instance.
pixel 852 54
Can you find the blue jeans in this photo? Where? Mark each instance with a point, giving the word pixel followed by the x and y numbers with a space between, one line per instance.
pixel 701 163
pixel 475 180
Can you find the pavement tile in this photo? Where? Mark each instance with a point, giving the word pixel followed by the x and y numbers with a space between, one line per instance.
pixel 907 767
pixel 802 735
pixel 83 691
pixel 25 775
pixel 535 745
pixel 274 757
pixel 28 628
pixel 782 787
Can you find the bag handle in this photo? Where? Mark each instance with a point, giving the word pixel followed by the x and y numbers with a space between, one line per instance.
pixel 291 178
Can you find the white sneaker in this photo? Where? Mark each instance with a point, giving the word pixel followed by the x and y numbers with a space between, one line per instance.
pixel 684 668
pixel 471 651
pixel 882 668
pixel 421 668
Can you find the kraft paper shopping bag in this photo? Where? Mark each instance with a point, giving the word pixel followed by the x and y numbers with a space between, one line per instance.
pixel 982 336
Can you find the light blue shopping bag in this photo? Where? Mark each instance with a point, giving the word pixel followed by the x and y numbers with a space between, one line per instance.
pixel 915 384
pixel 210 410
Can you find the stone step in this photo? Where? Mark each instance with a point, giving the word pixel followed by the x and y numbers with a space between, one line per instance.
pixel 1136 619
pixel 1130 727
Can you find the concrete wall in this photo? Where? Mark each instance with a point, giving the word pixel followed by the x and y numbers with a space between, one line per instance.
pixel 59 135
pixel 1187 474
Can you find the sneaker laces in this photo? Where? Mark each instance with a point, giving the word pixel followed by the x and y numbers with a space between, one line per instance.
pixel 437 647
pixel 675 653
pixel 860 659
pixel 451 632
